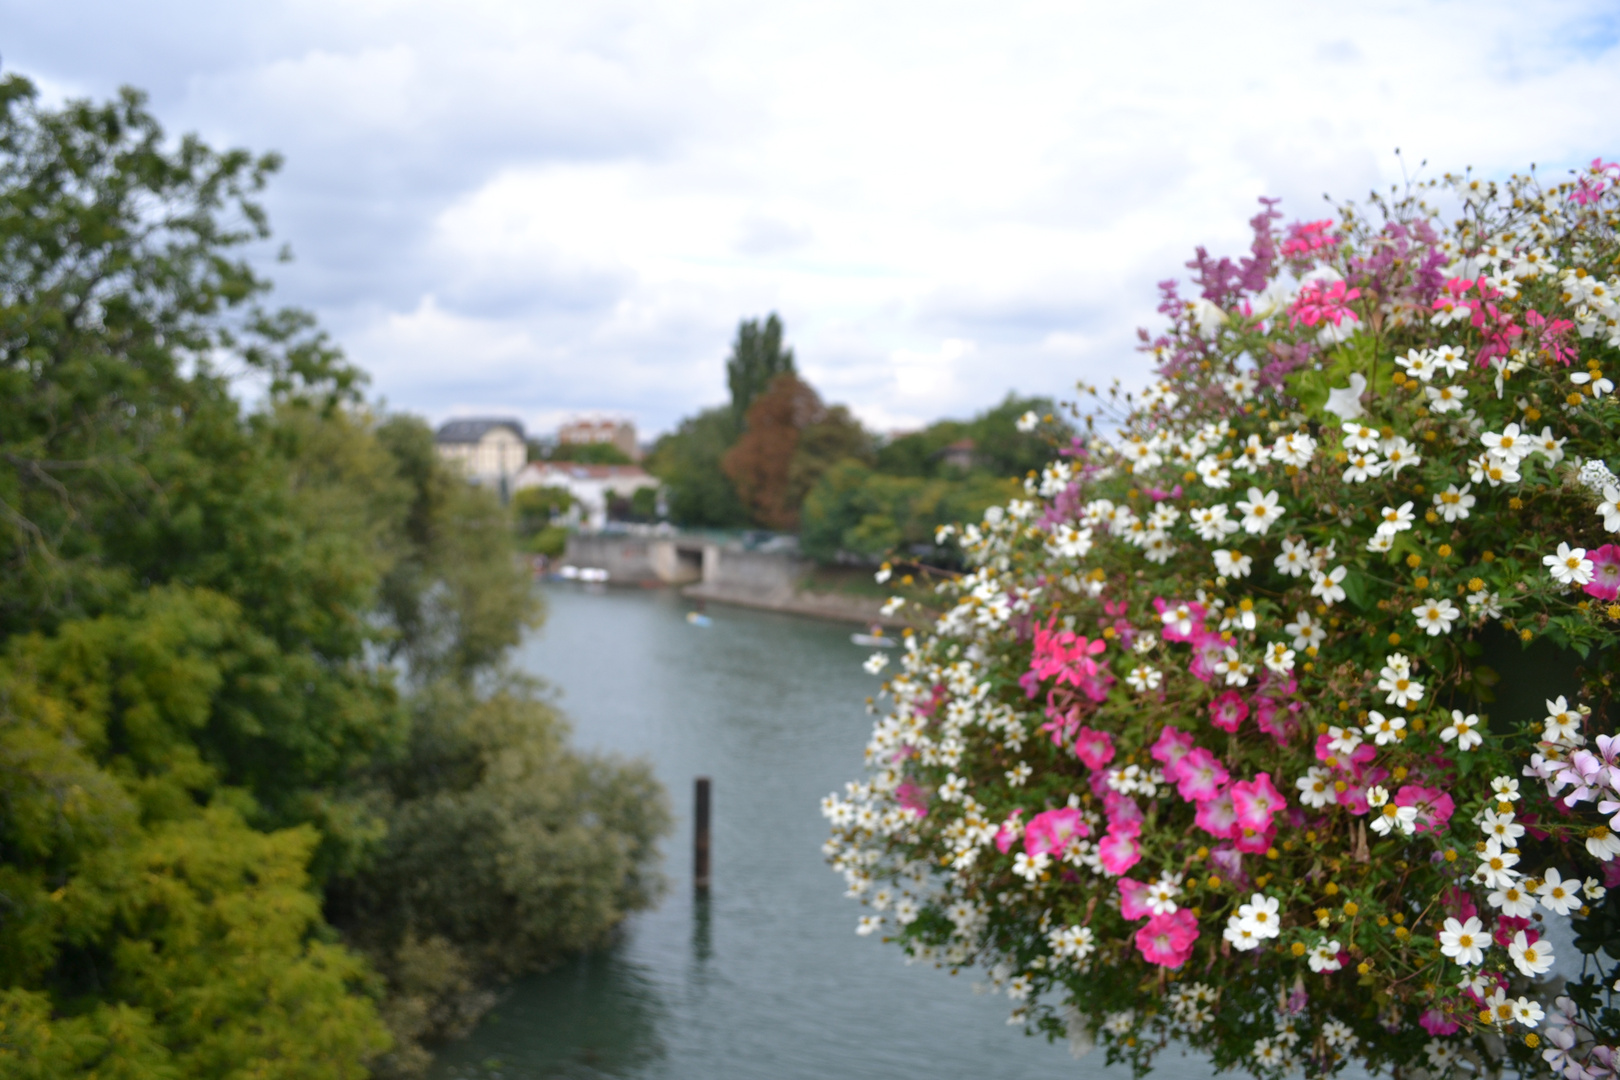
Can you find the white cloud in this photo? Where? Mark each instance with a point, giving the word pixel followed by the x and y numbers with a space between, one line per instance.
pixel 545 207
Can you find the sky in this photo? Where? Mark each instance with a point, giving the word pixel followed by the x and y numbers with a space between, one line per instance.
pixel 538 209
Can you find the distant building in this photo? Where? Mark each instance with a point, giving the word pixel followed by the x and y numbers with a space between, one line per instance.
pixel 961 453
pixel 586 430
pixel 591 485
pixel 491 451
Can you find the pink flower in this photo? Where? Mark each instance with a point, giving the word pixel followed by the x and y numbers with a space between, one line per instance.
pixel 1181 621
pixel 1437 1023
pixel 1052 830
pixel 1509 925
pixel 1435 807
pixel 1256 801
pixel 1229 862
pixel 1209 649
pixel 1118 851
pixel 1605 583
pixel 1122 811
pixel 1202 776
pixel 1169 751
pixel 1007 835
pixel 1064 656
pixel 1133 899
pixel 1167 940
pixel 1218 816
pixel 1305 237
pixel 1266 710
pixel 913 798
pixel 1228 711
pixel 1552 335
pixel 1254 841
pixel 1094 748
pixel 1318 302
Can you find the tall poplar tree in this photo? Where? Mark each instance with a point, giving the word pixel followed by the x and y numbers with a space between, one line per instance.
pixel 757 358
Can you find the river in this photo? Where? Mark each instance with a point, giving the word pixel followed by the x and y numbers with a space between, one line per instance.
pixel 767 980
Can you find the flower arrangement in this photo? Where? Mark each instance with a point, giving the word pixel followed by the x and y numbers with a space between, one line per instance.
pixel 1203 747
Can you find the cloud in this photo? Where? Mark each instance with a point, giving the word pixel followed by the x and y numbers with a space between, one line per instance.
pixel 539 208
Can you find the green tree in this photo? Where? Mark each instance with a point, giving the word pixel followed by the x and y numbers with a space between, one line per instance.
pixel 688 460
pixel 757 358
pixel 589 454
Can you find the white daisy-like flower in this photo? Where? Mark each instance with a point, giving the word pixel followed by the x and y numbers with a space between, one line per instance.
pixel 1211 523
pixel 1325 957
pixel 1452 504
pixel 1260 511
pixel 1496 866
pixel 1507 788
pixel 1444 399
pixel 1391 818
pixel 1296 449
pixel 1395 519
pixel 1316 788
pixel 1363 467
pixel 1532 958
pixel 876 663
pixel 1384 729
pixel 1436 616
pixel 1399 454
pixel 1028 422
pixel 1569 566
pixel 1563 723
pixel 1527 1012
pixel 1464 942
pixel 1441 1056
pixel 1337 1034
pixel 1509 444
pixel 1213 472
pixel 869 924
pixel 1419 364
pixel 1550 446
pixel 1144 678
pixel 1463 728
pixel 1307 631
pixel 1380 542
pixel 1359 437
pixel 1295 558
pixel 1397 683
pixel 1279 658
pixel 1610 507
pixel 1329 587
pixel 1260 913
pixel 1499 825
pixel 1512 901
pixel 1343 740
pixel 1232 564
pixel 1557 894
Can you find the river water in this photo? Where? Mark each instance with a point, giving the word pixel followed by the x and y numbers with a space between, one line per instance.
pixel 767 980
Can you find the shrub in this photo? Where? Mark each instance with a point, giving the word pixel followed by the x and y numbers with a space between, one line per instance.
pixel 1205 747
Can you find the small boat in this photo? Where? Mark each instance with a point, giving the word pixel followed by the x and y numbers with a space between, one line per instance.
pixel 592 573
pixel 874 640
pixel 697 618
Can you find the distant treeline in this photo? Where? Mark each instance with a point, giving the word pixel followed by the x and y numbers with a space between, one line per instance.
pixel 272 804
pixel 778 458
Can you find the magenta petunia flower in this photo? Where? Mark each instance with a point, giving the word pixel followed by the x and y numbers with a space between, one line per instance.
pixel 1133 898
pixel 1167 940
pixel 1094 748
pixel 1172 747
pixel 1256 801
pixel 1051 831
pixel 1605 583
pixel 1218 816
pixel 1202 776
pixel 1228 711
pixel 1118 851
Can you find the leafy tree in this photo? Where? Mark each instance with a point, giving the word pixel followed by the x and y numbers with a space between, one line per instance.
pixel 534 508
pixel 757 358
pixel 761 462
pixel 855 510
pixel 688 460
pixel 601 453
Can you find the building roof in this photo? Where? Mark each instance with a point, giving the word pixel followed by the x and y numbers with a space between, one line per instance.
pixel 474 429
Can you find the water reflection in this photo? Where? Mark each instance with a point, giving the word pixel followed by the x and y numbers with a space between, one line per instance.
pixel 595 1017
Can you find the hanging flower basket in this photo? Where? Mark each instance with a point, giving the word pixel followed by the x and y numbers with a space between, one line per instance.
pixel 1222 740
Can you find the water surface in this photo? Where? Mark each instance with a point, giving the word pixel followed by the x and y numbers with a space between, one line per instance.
pixel 767 979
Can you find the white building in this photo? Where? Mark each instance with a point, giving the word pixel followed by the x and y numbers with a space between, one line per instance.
pixel 489 451
pixel 590 485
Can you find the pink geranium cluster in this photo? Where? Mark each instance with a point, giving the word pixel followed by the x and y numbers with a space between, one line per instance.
pixel 1321 302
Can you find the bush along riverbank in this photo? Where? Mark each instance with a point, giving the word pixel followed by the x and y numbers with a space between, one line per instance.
pixel 1215 711
pixel 236 839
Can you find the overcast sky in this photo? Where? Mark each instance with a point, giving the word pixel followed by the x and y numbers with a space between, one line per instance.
pixel 535 208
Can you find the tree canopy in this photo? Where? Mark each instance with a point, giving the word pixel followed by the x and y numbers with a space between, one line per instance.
pixel 757 358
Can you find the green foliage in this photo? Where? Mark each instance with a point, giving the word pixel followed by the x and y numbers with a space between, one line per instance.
pixel 687 460
pixel 855 510
pixel 601 453
pixel 999 448
pixel 757 358
pixel 204 617
pixel 534 508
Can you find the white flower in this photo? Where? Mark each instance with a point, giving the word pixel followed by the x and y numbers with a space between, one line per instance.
pixel 1395 519
pixel 1377 796
pixel 1315 788
pixel 1363 467
pixel 1260 914
pixel 906 911
pixel 1549 446
pixel 1436 616
pixel 1451 359
pixel 1161 895
pixel 1441 1056
pixel 953 788
pixel 883 574
pixel 868 924
pixel 1260 512
pixel 1345 402
pixel 1240 935
pixel 1328 586
pixel 1527 1012
pixel 1593 889
pixel 1018 774
pixel 1296 449
pixel 1213 472
pixel 1557 894
pixel 1444 399
pixel 1530 958
pixel 1462 728
pixel 1018 987
pixel 1494 470
pixel 1252 454
pixel 1325 957
pixel 1507 788
pixel 1028 422
pixel 1211 522
pixel 1236 671
pixel 1509 444
pixel 1384 730
pixel 1610 508
pixel 1453 504
pixel 1295 558
pixel 1500 826
pixel 1599 384
pixel 1343 740
pixel 1602 844
pixel 1563 724
pixel 1337 1034
pixel 1231 564
pixel 1569 566
pixel 893 604
pixel 1359 437
pixel 1380 542
pixel 1306 630
pixel 1464 942
pixel 1418 364
pixel 1143 678
pixel 1399 454
pixel 1512 901
pixel 1279 658
pixel 1392 818
pixel 1029 868
pixel 876 663
pixel 1496 866
pixel 1397 683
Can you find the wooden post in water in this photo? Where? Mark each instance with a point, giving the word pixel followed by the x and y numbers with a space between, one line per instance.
pixel 700 837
